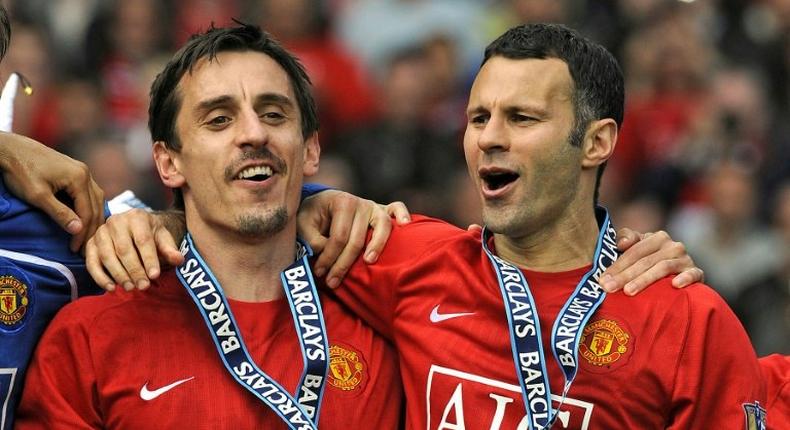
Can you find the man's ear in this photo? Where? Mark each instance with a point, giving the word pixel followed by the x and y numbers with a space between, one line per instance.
pixel 167 165
pixel 599 142
pixel 312 154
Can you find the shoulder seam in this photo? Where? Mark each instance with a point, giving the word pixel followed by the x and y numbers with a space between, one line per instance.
pixel 683 345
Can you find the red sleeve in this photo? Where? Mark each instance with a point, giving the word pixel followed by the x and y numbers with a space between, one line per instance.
pixel 370 290
pixel 60 387
pixel 776 374
pixel 717 371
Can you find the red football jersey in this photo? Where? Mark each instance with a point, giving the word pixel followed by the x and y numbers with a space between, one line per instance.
pixel 146 360
pixel 776 373
pixel 666 359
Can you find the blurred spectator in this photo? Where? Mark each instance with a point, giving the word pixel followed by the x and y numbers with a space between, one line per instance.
pixel 122 41
pixel 30 55
pixel 80 112
pixel 377 29
pixel 725 231
pixel 671 92
pixel 398 156
pixel 741 257
pixel 136 135
pixel 336 173
pixel 192 16
pixel 107 158
pixel 108 163
pixel 642 213
pixel 769 320
pixel 66 24
pixel 775 15
pixel 781 216
pixel 343 93
pixel 448 87
pixel 503 14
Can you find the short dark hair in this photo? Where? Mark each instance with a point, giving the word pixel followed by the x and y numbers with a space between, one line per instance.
pixel 5 32
pixel 166 102
pixel 599 89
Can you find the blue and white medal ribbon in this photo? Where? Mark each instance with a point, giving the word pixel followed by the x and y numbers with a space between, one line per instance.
pixel 206 292
pixel 524 325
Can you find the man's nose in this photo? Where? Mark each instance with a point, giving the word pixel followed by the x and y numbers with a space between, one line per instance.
pixel 494 135
pixel 251 130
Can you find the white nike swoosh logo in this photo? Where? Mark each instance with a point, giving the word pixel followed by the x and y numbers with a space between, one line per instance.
pixel 437 317
pixel 145 394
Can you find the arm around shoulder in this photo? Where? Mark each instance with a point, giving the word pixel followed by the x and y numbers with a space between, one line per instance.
pixel 371 290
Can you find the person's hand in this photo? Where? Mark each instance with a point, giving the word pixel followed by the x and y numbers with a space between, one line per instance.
pixel 335 224
pixel 647 258
pixel 36 173
pixel 127 248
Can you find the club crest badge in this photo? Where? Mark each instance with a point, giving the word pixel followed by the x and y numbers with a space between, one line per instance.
pixel 604 342
pixel 14 300
pixel 346 369
pixel 755 416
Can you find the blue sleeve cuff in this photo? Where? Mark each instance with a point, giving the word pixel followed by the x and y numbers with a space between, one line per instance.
pixel 311 189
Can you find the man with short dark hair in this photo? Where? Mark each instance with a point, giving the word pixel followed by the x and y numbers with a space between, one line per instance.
pixel 216 344
pixel 511 329
pixel 40 236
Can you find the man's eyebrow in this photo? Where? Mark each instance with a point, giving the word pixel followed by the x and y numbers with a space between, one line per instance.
pixel 530 109
pixel 224 100
pixel 471 110
pixel 274 98
pixel 209 104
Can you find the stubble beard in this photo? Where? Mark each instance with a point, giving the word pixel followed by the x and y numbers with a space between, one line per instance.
pixel 257 225
pixel 508 220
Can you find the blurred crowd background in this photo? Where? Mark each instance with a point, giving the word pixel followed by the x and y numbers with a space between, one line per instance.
pixel 704 152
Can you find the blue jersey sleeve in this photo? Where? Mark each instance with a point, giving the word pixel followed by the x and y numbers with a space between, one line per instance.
pixel 38 275
pixel 311 189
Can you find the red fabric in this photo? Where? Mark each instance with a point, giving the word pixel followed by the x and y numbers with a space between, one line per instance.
pixel 776 372
pixel 687 362
pixel 343 92
pixel 44 122
pixel 123 99
pixel 652 131
pixel 99 352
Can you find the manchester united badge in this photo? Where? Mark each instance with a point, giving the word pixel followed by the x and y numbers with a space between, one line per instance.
pixel 346 370
pixel 13 300
pixel 603 342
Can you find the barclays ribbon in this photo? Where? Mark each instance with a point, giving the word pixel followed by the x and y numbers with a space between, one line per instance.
pixel 524 325
pixel 298 413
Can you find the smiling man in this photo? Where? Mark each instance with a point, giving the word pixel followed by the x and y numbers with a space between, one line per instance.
pixel 218 344
pixel 511 329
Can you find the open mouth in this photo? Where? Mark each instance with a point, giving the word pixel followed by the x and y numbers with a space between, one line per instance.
pixel 496 180
pixel 255 173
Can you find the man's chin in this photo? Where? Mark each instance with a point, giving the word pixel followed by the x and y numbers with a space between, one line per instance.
pixel 262 225
pixel 502 220
pixel 497 224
